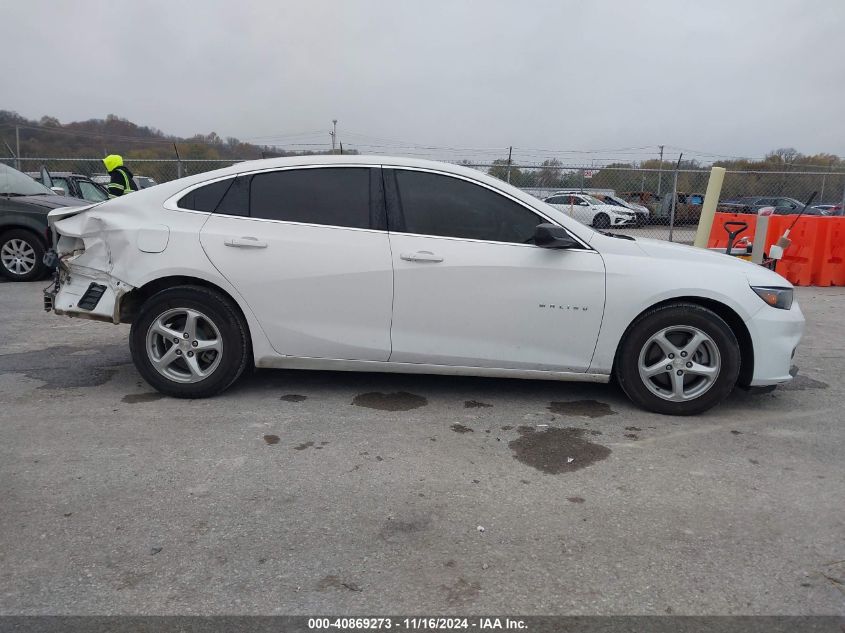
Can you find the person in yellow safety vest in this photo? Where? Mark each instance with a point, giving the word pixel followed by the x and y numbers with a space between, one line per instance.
pixel 121 178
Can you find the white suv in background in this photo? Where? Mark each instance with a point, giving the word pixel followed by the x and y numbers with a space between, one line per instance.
pixel 590 211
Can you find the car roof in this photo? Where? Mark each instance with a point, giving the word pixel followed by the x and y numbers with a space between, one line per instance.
pixel 174 186
pixel 57 174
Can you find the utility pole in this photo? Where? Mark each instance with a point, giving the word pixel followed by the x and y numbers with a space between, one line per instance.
pixel 660 172
pixel 18 148
pixel 333 134
pixel 510 152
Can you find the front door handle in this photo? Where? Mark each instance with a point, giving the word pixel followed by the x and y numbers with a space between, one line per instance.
pixel 421 256
pixel 245 242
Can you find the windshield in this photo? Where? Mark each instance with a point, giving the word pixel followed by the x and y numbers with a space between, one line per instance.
pixel 593 200
pixel 617 201
pixel 14 183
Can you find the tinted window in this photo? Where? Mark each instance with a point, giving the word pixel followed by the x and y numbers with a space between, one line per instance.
pixel 337 196
pixel 441 205
pixel 205 198
pixel 236 199
pixel 558 200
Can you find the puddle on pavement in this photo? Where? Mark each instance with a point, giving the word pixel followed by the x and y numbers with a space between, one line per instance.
pixel 271 439
pixel 475 404
pixel 554 451
pixel 398 401
pixel 293 397
pixel 63 367
pixel 584 408
pixel 134 398
pixel 395 530
pixel 460 428
pixel 461 592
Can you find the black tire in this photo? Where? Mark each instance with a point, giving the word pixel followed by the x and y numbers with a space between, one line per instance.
pixel 10 242
pixel 601 221
pixel 218 313
pixel 677 315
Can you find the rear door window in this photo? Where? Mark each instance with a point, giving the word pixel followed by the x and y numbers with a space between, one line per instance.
pixel 334 196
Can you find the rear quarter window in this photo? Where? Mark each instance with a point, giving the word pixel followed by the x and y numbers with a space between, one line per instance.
pixel 205 198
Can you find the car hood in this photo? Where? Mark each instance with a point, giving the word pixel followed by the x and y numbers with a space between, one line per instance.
pixel 52 202
pixel 757 275
pixel 612 208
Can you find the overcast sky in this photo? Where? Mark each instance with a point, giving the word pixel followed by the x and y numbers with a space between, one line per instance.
pixel 725 77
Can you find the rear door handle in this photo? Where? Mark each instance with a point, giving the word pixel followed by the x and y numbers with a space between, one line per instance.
pixel 421 256
pixel 245 242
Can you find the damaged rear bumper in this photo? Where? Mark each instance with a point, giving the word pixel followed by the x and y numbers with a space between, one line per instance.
pixel 87 294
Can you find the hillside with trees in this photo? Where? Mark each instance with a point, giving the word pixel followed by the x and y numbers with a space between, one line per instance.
pixel 49 138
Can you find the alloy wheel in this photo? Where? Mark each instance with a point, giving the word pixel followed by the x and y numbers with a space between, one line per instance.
pixel 679 363
pixel 18 257
pixel 184 345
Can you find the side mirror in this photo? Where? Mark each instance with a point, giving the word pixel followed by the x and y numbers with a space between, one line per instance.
pixel 552 236
pixel 59 191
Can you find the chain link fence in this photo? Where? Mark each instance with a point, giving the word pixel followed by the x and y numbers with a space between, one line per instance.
pixel 662 203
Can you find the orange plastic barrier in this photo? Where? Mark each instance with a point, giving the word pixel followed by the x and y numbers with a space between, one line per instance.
pixel 816 256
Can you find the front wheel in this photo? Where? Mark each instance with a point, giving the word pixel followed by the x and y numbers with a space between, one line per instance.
pixel 189 342
pixel 678 359
pixel 601 221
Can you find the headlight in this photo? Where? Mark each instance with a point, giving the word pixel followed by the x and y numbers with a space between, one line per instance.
pixel 775 297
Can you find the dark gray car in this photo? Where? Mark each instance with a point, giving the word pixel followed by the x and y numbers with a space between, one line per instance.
pixel 783 206
pixel 74 185
pixel 24 205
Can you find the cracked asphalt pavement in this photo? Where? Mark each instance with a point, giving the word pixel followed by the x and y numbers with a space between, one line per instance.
pixel 318 492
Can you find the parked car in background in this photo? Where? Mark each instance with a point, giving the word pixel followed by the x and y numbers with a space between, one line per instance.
pixel 782 205
pixel 423 267
pixel 687 208
pixel 24 205
pixel 74 185
pixel 144 182
pixel 642 211
pixel 647 199
pixel 588 210
pixel 830 209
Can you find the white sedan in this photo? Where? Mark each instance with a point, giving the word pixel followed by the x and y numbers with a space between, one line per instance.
pixel 363 263
pixel 589 210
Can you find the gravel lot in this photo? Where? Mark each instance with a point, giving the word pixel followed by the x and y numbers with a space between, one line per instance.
pixel 316 492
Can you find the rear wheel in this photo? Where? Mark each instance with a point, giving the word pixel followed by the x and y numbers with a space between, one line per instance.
pixel 189 342
pixel 601 221
pixel 678 359
pixel 21 255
